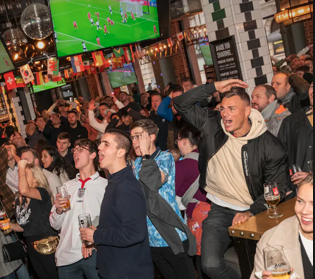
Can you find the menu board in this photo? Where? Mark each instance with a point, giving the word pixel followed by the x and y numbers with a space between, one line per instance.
pixel 225 59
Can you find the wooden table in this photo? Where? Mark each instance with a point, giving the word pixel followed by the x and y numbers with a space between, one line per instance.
pixel 246 235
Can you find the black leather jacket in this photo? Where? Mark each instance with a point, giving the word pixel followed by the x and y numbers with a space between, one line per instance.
pixel 264 158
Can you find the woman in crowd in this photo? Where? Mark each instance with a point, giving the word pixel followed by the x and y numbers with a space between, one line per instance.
pixel 33 206
pixel 11 269
pixel 189 195
pixel 55 163
pixel 298 241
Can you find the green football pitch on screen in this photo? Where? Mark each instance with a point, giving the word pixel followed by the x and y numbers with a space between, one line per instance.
pixel 79 24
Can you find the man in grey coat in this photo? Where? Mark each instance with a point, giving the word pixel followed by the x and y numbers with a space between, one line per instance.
pixel 264 99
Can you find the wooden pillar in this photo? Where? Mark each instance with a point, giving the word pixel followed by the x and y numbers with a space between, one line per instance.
pixel 108 87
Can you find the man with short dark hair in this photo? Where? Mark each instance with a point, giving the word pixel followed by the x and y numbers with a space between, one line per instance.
pixel 33 135
pixel 40 123
pixel 123 249
pixel 171 241
pixel 264 99
pixel 300 71
pixel 187 84
pixel 145 104
pixel 53 128
pixel 124 98
pixel 75 129
pixel 309 62
pixel 237 156
pixel 102 108
pixel 63 146
pixel 73 259
pixel 162 123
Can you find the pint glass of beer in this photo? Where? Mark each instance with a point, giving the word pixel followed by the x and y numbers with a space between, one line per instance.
pixel 63 191
pixel 272 197
pixel 276 262
pixel 86 222
pixel 4 220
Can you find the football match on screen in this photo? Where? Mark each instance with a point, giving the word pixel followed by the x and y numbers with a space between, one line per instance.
pixel 89 25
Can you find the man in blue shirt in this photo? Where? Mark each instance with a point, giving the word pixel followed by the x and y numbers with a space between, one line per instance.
pixel 170 239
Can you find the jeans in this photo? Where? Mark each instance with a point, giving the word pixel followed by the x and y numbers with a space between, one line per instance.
pixel 172 266
pixel 216 241
pixel 85 267
pixel 22 273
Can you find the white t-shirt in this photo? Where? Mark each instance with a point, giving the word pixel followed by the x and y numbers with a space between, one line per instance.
pixel 308 245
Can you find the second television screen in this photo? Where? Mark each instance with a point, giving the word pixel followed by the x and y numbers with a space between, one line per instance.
pixel 89 25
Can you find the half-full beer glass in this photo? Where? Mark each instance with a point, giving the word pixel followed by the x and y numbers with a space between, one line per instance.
pixel 64 193
pixel 86 222
pixel 272 197
pixel 4 220
pixel 276 262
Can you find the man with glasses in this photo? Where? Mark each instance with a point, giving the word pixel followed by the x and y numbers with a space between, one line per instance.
pixel 86 193
pixel 170 239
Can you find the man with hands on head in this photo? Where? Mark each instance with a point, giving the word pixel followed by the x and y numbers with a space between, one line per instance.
pixel 86 192
pixel 122 236
pixel 237 156
pixel 171 241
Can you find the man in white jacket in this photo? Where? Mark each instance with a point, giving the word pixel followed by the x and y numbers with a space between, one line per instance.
pixel 86 193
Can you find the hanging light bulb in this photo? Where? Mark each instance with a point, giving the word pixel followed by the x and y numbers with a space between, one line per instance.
pixel 41 45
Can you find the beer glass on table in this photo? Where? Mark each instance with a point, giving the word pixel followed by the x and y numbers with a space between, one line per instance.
pixel 272 197
pixel 86 222
pixel 276 262
pixel 64 193
pixel 4 220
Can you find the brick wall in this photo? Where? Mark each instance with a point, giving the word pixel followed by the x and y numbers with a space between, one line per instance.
pixel 179 60
pixel 308 25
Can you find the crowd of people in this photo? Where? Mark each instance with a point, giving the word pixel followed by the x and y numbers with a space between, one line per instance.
pixel 162 176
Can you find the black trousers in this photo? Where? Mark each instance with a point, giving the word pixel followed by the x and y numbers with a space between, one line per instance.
pixel 172 266
pixel 44 266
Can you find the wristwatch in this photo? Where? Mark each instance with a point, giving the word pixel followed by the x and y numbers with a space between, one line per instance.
pixel 146 157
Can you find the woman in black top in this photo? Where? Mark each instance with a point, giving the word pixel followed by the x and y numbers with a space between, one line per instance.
pixel 33 206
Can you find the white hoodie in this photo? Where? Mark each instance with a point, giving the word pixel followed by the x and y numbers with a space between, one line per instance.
pixel 226 182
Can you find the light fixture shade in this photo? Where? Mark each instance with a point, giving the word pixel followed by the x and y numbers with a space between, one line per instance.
pixel 14 37
pixel 36 21
pixel 294 11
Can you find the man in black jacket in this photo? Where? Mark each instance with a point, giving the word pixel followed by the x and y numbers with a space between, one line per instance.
pixel 237 156
pixel 122 235
pixel 291 91
pixel 53 128
pixel 75 129
pixel 296 133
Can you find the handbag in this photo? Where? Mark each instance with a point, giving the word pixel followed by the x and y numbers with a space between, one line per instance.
pixel 14 251
pixel 46 246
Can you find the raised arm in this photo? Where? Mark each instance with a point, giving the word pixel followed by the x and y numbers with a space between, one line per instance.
pixel 187 107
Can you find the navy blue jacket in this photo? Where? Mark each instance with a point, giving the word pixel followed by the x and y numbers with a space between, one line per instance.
pixel 122 240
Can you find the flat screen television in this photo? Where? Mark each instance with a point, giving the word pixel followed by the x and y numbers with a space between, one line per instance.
pixel 122 76
pixel 89 25
pixel 6 63
pixel 48 85
pixel 205 50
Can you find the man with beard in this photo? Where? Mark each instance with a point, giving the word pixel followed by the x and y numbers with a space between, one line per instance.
pixel 264 99
pixel 122 235
pixel 123 98
pixel 53 128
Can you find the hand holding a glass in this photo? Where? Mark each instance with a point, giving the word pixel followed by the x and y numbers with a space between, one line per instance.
pixel 86 230
pixel 62 202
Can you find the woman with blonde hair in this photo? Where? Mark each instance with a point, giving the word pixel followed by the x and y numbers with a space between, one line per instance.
pixel 294 234
pixel 33 205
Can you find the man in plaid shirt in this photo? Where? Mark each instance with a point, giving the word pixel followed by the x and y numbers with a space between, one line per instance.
pixel 6 195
